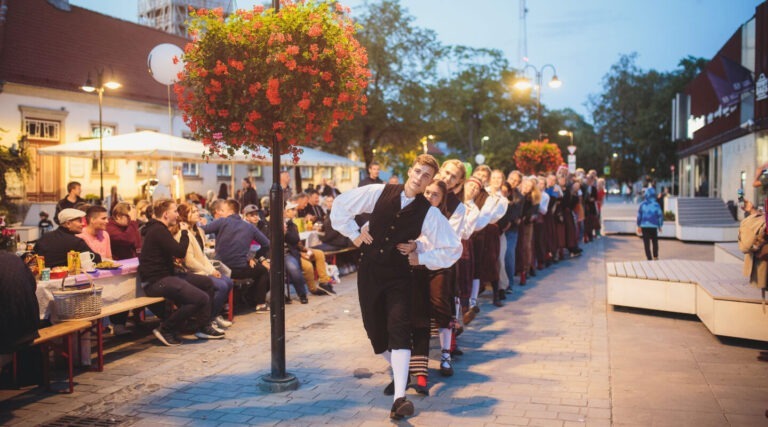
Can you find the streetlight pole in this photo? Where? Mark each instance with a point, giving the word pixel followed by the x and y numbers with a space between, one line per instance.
pixel 525 83
pixel 278 380
pixel 425 142
pixel 99 89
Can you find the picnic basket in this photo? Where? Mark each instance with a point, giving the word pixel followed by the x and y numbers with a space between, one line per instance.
pixel 77 304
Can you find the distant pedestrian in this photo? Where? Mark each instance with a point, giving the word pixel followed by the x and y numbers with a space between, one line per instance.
pixel 650 218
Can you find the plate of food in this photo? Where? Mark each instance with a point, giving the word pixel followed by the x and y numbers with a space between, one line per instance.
pixel 108 265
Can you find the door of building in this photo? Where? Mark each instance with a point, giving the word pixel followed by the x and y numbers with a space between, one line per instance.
pixel 43 182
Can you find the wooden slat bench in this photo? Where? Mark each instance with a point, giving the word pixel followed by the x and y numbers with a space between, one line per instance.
pixel 66 330
pixel 109 310
pixel 330 256
pixel 716 292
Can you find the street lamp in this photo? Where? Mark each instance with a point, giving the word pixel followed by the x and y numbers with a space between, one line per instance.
pixel 425 141
pixel 480 158
pixel 526 83
pixel 571 150
pixel 99 89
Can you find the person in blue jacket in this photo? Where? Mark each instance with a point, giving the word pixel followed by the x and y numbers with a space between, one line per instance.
pixel 650 218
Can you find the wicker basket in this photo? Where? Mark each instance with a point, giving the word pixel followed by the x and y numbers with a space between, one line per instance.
pixel 78 304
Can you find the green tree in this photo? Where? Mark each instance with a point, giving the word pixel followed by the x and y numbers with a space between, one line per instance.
pixel 475 100
pixel 402 59
pixel 631 116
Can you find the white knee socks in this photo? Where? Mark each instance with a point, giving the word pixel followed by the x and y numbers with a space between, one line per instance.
pixel 445 338
pixel 400 362
pixel 475 291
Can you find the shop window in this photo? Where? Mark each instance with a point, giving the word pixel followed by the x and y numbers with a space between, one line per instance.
pixel 190 169
pixel 45 130
pixel 223 171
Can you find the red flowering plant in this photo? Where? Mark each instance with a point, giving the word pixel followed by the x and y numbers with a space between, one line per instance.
pixel 293 75
pixel 538 156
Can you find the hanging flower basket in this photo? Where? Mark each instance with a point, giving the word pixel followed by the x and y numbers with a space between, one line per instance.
pixel 293 75
pixel 537 157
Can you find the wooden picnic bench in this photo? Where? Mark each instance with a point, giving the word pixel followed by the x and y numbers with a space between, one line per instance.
pixel 109 310
pixel 716 292
pixel 330 256
pixel 66 330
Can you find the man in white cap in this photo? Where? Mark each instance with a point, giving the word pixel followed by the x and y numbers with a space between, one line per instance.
pixel 55 245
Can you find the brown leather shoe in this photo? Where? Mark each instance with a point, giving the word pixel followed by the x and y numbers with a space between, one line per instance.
pixel 401 408
pixel 469 316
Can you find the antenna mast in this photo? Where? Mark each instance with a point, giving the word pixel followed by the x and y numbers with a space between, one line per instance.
pixel 523 36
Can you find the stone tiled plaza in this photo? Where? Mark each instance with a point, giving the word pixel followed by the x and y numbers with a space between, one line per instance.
pixel 555 355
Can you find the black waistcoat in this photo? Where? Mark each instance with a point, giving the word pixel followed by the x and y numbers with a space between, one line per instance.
pixel 390 225
pixel 452 202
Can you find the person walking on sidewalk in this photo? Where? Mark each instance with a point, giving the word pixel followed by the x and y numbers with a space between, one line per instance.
pixel 650 218
pixel 399 214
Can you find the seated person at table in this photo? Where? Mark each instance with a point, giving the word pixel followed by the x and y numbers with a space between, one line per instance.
pixel 123 232
pixel 301 200
pixel 196 262
pixel 332 239
pixel 125 240
pixel 255 216
pixel 95 232
pixel 313 211
pixel 312 260
pixel 55 245
pixel 233 242
pixel 293 269
pixel 191 293
pixel 19 312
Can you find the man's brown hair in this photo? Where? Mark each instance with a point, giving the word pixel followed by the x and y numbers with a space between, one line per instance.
pixel 427 160
pixel 161 206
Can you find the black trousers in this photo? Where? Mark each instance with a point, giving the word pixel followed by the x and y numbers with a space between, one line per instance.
pixel 192 295
pixel 385 304
pixel 256 294
pixel 651 236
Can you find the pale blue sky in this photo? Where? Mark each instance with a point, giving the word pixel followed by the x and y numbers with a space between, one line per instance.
pixel 581 38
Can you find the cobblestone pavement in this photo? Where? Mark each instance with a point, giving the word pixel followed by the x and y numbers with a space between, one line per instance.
pixel 554 355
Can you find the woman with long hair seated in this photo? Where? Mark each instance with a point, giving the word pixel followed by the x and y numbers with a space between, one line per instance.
pixel 196 262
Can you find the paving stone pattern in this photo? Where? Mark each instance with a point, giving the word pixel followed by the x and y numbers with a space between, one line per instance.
pixel 555 355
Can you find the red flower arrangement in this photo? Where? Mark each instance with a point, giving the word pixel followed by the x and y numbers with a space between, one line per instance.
pixel 538 156
pixel 258 75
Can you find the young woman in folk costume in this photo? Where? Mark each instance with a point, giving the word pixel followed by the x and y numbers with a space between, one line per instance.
pixel 532 197
pixel 486 242
pixel 432 297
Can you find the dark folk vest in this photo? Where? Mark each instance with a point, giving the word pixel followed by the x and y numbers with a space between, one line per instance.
pixel 452 202
pixel 391 225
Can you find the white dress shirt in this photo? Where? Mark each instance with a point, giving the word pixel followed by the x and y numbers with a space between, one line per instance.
pixel 444 245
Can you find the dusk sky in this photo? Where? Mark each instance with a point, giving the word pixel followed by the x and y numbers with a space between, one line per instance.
pixel 582 39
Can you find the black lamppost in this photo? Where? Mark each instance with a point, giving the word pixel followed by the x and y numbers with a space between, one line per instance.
pixel 99 89
pixel 278 380
pixel 525 83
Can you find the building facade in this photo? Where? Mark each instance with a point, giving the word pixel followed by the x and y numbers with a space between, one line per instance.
pixel 48 49
pixel 720 122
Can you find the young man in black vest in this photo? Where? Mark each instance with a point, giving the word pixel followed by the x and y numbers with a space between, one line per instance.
pixel 399 214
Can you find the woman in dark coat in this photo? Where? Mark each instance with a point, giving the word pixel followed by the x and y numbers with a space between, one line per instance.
pixel 19 311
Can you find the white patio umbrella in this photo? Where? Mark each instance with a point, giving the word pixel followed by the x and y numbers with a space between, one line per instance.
pixel 145 145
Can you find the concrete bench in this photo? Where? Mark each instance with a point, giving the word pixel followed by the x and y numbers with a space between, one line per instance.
pixel 716 292
pixel 66 330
